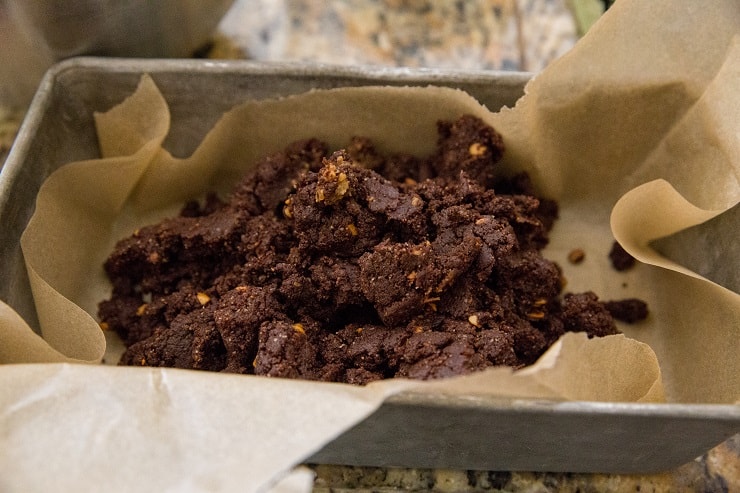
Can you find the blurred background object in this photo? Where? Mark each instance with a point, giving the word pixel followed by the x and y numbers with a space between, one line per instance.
pixel 35 34
pixel 520 35
pixel 586 12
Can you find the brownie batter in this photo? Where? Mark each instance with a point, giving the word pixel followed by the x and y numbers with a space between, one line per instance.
pixel 352 266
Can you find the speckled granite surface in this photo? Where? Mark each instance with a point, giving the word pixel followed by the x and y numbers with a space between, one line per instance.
pixel 473 34
pixel 718 471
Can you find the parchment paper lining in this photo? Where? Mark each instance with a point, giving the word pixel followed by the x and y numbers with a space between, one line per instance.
pixel 158 184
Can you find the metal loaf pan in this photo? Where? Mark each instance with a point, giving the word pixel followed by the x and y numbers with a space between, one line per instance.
pixel 409 430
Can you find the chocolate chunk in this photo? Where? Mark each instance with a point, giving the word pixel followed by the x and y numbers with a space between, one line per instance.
pixel 285 351
pixel 237 316
pixel 393 277
pixel 629 310
pixel 620 259
pixel 440 354
pixel 584 313
pixel 468 145
pixel 190 342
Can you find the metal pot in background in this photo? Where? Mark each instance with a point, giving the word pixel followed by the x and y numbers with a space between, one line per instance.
pixel 36 34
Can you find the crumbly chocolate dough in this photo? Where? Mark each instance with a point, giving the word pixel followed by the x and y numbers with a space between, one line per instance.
pixel 352 266
pixel 620 259
pixel 629 310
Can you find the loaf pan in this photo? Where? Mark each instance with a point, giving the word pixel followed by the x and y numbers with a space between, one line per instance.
pixel 409 430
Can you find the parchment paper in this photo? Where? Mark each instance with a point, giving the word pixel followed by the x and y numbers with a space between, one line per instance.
pixel 646 138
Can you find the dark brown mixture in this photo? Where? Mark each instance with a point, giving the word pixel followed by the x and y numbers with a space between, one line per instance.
pixel 620 259
pixel 629 310
pixel 352 266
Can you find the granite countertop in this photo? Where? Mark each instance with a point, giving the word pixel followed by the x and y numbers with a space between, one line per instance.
pixel 718 471
pixel 523 35
pixel 483 34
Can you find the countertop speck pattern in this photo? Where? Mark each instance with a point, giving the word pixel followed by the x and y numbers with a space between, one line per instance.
pixel 718 471
pixel 474 34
